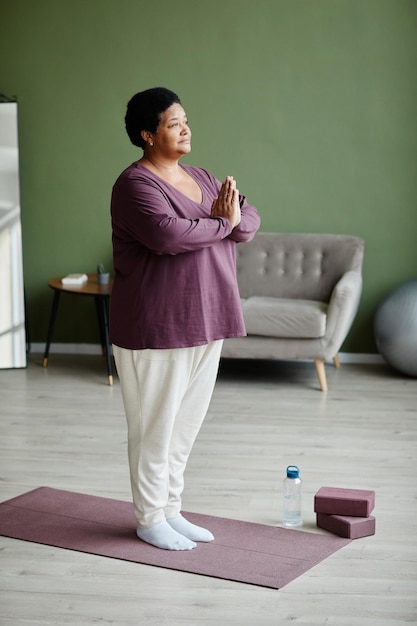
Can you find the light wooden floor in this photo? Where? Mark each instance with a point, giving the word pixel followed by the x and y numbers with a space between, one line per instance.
pixel 63 427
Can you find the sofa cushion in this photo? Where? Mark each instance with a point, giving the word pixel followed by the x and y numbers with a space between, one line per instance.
pixel 284 317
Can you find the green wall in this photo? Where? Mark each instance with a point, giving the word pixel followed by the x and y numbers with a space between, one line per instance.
pixel 310 104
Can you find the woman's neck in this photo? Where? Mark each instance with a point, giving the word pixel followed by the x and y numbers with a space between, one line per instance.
pixel 166 169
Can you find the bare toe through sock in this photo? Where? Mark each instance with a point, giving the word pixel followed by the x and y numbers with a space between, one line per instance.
pixel 193 532
pixel 163 536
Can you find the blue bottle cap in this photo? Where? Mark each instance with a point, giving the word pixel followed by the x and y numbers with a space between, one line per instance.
pixel 293 471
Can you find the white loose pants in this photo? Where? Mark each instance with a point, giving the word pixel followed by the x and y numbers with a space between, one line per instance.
pixel 166 394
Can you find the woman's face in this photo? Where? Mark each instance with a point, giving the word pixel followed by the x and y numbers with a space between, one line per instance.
pixel 173 135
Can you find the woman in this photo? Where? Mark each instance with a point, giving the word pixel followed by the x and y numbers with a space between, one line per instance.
pixel 174 299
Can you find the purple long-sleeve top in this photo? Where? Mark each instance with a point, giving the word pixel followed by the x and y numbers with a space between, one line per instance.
pixel 175 280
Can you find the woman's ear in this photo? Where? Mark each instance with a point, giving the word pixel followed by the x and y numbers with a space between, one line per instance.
pixel 147 137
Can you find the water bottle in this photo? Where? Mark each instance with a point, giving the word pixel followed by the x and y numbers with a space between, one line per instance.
pixel 292 498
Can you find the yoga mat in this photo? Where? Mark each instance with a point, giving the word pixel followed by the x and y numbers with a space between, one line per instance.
pixel 242 551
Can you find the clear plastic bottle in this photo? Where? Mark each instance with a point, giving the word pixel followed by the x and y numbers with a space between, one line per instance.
pixel 292 498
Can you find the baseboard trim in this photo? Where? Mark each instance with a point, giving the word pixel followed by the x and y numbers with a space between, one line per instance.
pixel 352 357
pixel 68 348
pixel 93 348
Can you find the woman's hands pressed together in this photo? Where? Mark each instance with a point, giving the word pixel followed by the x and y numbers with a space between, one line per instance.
pixel 227 202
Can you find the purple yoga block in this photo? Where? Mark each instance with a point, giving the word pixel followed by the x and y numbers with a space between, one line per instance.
pixel 346 525
pixel 338 501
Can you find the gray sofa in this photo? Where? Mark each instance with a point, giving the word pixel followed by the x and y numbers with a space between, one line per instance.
pixel 300 294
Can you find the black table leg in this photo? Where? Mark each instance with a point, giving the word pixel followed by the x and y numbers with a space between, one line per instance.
pixel 101 303
pixel 97 300
pixel 54 310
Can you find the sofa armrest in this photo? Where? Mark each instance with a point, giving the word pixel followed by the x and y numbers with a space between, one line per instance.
pixel 341 312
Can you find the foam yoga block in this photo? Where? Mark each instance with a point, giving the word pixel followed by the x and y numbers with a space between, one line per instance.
pixel 347 526
pixel 337 501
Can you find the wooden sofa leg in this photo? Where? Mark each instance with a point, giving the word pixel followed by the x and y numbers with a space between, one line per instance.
pixel 336 361
pixel 321 373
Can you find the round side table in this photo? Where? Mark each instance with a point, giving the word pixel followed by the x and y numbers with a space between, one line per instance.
pixel 101 295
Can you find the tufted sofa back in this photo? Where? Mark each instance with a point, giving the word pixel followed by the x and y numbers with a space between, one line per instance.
pixel 293 265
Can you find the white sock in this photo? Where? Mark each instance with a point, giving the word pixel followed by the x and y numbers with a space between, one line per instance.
pixel 163 536
pixel 193 532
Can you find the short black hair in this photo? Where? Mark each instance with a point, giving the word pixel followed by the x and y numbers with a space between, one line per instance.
pixel 144 112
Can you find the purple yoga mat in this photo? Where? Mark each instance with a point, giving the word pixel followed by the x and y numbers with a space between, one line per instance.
pixel 242 551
